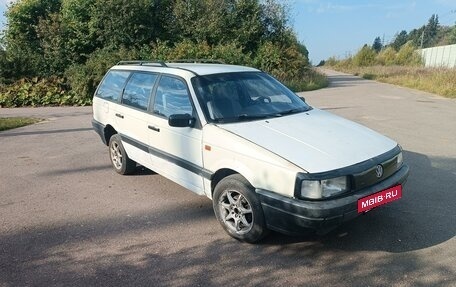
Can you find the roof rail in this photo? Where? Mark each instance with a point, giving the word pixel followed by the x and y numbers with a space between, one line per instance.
pixel 143 63
pixel 207 61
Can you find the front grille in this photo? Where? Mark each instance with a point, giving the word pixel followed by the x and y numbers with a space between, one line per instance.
pixel 369 177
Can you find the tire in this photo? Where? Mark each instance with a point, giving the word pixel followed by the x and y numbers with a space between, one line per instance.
pixel 120 161
pixel 238 209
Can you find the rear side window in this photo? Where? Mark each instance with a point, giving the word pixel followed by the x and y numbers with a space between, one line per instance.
pixel 112 85
pixel 138 90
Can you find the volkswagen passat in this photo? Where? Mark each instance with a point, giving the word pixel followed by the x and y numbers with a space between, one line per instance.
pixel 266 158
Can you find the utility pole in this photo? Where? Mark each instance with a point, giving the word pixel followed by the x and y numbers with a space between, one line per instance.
pixel 422 37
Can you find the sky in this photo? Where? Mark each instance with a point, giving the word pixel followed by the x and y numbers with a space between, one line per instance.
pixel 340 28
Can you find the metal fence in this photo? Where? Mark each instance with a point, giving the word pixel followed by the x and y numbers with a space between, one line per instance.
pixel 443 56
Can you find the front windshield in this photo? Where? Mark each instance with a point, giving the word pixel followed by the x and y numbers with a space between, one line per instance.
pixel 242 96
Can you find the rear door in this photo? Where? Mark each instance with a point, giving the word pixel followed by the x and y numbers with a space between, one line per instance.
pixel 131 116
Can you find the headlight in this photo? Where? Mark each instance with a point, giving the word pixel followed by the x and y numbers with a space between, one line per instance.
pixel 318 189
pixel 400 160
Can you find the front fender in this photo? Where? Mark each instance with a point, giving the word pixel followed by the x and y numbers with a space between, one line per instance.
pixel 262 168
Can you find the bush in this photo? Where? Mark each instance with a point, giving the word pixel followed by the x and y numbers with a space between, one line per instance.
pixel 331 61
pixel 288 64
pixel 407 56
pixel 368 76
pixel 365 57
pixel 387 57
pixel 232 54
pixel 81 80
pixel 268 59
pixel 33 92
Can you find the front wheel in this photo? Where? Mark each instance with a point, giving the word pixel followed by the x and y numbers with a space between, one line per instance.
pixel 120 161
pixel 238 209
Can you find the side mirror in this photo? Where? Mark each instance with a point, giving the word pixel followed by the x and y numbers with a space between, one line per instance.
pixel 181 120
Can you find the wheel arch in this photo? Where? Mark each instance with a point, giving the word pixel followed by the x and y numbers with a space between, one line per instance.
pixel 221 174
pixel 108 132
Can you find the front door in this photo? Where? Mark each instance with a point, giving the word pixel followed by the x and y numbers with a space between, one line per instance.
pixel 176 150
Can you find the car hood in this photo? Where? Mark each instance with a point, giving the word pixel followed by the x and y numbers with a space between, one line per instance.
pixel 315 141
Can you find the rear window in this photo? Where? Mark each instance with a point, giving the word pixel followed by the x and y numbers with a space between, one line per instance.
pixel 112 85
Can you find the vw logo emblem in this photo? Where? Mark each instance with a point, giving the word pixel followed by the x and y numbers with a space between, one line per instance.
pixel 379 171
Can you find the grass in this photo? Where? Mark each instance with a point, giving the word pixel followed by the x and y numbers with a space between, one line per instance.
pixel 16 122
pixel 439 81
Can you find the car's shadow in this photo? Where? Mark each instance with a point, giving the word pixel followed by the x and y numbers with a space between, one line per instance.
pixel 141 170
pixel 424 217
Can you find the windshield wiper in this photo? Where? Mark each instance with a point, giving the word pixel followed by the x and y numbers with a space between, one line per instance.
pixel 252 117
pixel 293 111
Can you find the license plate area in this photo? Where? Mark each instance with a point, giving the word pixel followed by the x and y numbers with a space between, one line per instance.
pixel 380 198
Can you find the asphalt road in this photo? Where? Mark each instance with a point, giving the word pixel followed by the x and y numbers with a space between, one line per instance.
pixel 67 219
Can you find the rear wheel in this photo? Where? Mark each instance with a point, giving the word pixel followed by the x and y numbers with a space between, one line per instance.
pixel 238 209
pixel 119 159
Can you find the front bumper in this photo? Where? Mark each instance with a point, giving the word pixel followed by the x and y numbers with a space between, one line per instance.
pixel 294 216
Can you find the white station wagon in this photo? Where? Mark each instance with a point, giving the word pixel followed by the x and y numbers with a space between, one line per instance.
pixel 268 160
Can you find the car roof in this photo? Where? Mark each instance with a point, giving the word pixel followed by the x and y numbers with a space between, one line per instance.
pixel 206 69
pixel 183 68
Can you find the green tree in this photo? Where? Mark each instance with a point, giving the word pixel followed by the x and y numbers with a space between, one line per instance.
pixel 248 32
pixel 443 36
pixel 377 45
pixel 52 35
pixel 275 22
pixel 80 39
pixel 191 26
pixel 452 36
pixel 303 49
pixel 432 29
pixel 127 23
pixel 415 36
pixel 400 39
pixel 223 22
pixel 22 41
pixel 429 32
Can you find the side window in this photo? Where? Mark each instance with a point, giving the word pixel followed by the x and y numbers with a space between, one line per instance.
pixel 112 85
pixel 172 97
pixel 138 90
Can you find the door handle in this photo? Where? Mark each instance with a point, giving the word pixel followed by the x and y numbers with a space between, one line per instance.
pixel 119 116
pixel 154 128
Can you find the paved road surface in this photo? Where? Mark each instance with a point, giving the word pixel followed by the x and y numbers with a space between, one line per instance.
pixel 66 218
